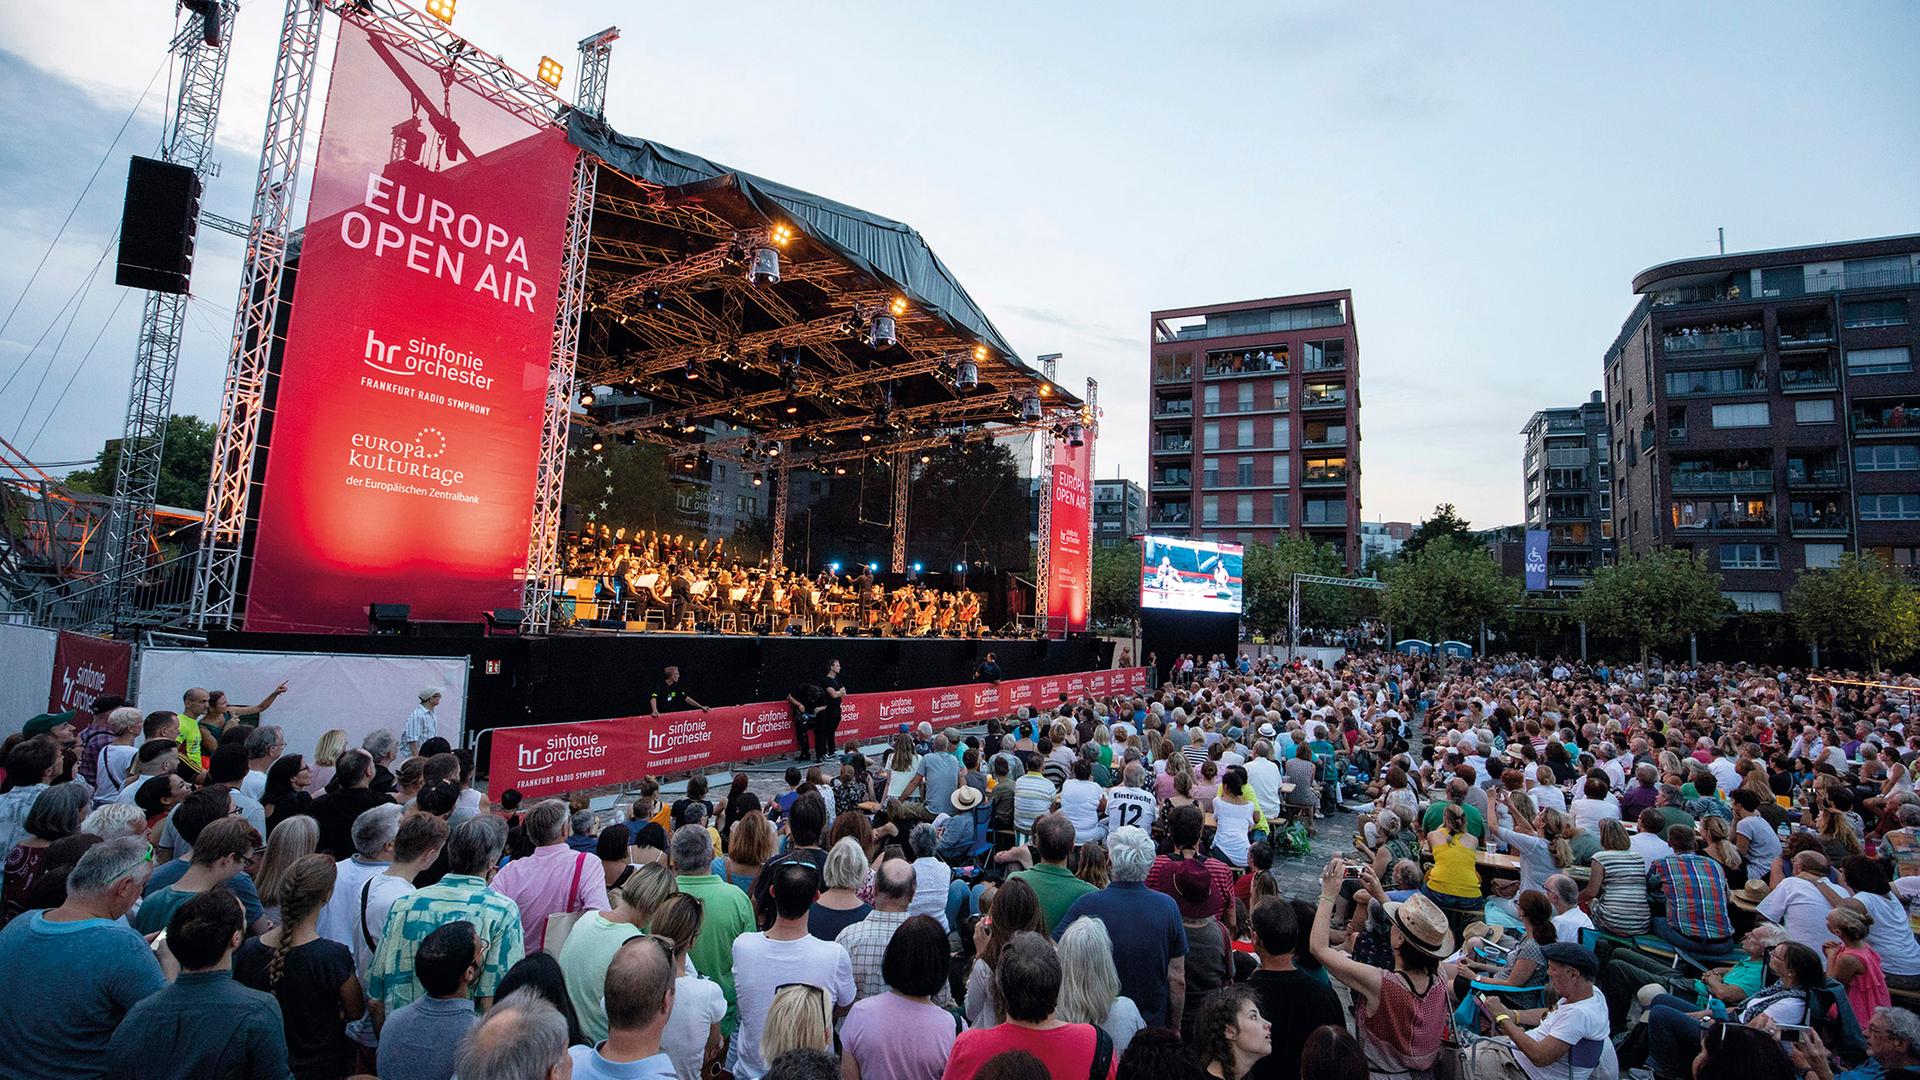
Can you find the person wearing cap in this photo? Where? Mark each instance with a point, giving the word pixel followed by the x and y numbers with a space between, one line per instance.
pixel 1567 1040
pixel 1400 1015
pixel 1209 960
pixel 421 723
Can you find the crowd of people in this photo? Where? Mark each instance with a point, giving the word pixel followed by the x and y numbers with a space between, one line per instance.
pixel 676 584
pixel 1557 871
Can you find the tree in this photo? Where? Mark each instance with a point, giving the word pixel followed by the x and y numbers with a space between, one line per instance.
pixel 1267 581
pixel 1652 601
pixel 1446 591
pixel 1445 523
pixel 186 465
pixel 1861 606
pixel 628 487
pixel 1116 585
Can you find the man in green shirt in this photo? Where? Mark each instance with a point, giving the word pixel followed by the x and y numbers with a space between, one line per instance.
pixel 728 913
pixel 1437 811
pixel 1628 971
pixel 1050 879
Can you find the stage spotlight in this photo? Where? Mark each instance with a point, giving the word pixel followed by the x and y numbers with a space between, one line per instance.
pixel 882 336
pixel 597 444
pixel 839 470
pixel 959 568
pixel 773 450
pixel 688 464
pixel 549 70
pixel 209 12
pixel 781 235
pixel 834 567
pixel 1030 409
pixel 1046 389
pixel 791 407
pixel 966 375
pixel 693 369
pixel 899 305
pixel 388 620
pixel 873 568
pixel 1076 435
pixel 586 398
pixel 442 10
pixel 917 568
pixel 653 299
pixel 866 436
pixel 505 622
pixel 926 459
pixel 764 269
pixel 756 480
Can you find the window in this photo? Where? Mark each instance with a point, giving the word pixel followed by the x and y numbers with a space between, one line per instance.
pixel 1817 411
pixel 1245 400
pixel 1243 472
pixel 1741 416
pixel 1210 436
pixel 1890 508
pixel 1326 512
pixel 1783 281
pixel 719 472
pixel 1243 509
pixel 1210 401
pixel 1824 556
pixel 1210 509
pixel 1606 499
pixel 1243 435
pixel 1210 472
pixel 1282 393
pixel 1754 601
pixel 1886 458
pixel 1710 381
pixel 1282 471
pixel 1896 556
pixel 1280 510
pixel 1873 273
pixel 1874 313
pixel 1878 361
pixel 1749 556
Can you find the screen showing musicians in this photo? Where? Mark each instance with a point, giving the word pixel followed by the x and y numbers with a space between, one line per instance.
pixel 668 582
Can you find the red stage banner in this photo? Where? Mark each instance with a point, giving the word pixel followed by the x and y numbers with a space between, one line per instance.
pixel 85 668
pixel 549 759
pixel 406 430
pixel 1069 548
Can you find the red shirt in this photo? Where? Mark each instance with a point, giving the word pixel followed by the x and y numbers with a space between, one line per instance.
pixel 1066 1051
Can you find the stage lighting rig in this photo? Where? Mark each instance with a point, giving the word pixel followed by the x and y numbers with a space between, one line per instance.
pixel 598 444
pixel 209 12
pixel 781 234
pixel 586 398
pixel 627 438
pixel 1030 409
pixel 764 269
pixel 653 299
pixel 693 368
pixel 898 307
pixel 756 480
pixel 1075 434
pixel 549 71
pixel 883 334
pixel 791 406
pixel 442 10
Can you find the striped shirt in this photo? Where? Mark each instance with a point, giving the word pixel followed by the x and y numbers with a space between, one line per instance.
pixel 1622 904
pixel 391 980
pixel 1696 892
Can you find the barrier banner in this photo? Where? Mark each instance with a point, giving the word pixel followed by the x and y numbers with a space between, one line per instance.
pixel 85 668
pixel 1069 548
pixel 406 428
pixel 552 758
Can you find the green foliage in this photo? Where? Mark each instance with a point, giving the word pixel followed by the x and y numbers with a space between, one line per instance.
pixel 965 505
pixel 1444 524
pixel 186 465
pixel 627 486
pixel 1862 606
pixel 1652 601
pixel 1446 590
pixel 1116 585
pixel 1267 581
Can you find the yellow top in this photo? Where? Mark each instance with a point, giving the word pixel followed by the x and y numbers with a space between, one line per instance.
pixel 1454 872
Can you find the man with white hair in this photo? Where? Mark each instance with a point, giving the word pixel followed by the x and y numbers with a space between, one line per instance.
pixel 523 1038
pixel 373 834
pixel 1149 939
pixel 422 724
pixel 1263 775
pixel 555 879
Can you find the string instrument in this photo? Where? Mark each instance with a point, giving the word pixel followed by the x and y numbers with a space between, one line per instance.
pixel 923 617
pixel 897 617
pixel 969 611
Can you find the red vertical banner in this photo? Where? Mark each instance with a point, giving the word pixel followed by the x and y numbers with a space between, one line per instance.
pixel 406 430
pixel 85 668
pixel 1069 548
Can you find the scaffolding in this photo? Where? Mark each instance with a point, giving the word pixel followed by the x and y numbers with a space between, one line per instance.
pixel 187 140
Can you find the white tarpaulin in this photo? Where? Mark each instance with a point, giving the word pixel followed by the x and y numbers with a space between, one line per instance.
pixel 26 673
pixel 353 692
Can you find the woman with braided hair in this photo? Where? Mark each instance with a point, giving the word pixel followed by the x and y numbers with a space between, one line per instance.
pixel 312 976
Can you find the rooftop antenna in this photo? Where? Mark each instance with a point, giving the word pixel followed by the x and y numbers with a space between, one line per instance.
pixel 1723 239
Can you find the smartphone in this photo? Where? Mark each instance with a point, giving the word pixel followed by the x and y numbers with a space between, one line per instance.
pixel 159 940
pixel 1351 870
pixel 1792 1032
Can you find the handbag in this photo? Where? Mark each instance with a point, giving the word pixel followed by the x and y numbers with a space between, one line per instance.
pixel 560 923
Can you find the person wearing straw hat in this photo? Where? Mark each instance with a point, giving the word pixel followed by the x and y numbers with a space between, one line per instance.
pixel 1400 1015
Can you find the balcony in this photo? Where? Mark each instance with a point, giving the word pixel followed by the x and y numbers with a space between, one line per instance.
pixel 1715 381
pixel 1313 399
pixel 1568 576
pixel 1799 380
pixel 1566 423
pixel 1873 419
pixel 1172 375
pixel 1809 520
pixel 1325 523
pixel 1722 479
pixel 1700 342
pixel 1802 338
pixel 1173 481
pixel 1737 515
pixel 1173 407
pixel 1332 476
pixel 1173 446
pixel 1175 516
pixel 1823 476
pixel 1228 365
pixel 1573 457
pixel 1331 438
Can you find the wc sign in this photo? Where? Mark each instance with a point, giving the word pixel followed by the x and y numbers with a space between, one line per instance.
pixel 1536 559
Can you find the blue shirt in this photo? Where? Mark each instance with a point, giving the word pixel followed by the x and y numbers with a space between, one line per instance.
pixel 85 976
pixel 1147 934
pixel 589 1065
pixel 241 884
pixel 421 1040
pixel 203 1026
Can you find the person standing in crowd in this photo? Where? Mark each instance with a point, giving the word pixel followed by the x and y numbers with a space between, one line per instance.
pixel 226 847
pixel 783 954
pixel 598 936
pixel 1296 1003
pixel 728 913
pixel 421 1040
pixel 1052 882
pixel 1090 985
pixel 473 852
pixel 555 879
pixel 193 709
pixel 372 838
pixel 203 1025
pixel 352 794
pixel 311 977
pixel 693 1037
pixel 902 1034
pixel 32 766
pixel 640 998
pixel 866 941
pixel 421 724
pixel 113 764
pixel 103 967
pixel 827 721
pixel 806 824
pixel 1026 987
pixel 264 746
pixel 1150 941
pixel 1230 1035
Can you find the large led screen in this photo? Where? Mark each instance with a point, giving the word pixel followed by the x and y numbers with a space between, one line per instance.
pixel 1190 575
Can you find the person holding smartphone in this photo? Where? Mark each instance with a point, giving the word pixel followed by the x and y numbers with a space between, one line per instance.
pixel 1569 1039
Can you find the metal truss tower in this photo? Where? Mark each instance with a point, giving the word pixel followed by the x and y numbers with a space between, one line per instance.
pixel 186 140
pixel 1049 366
pixel 902 479
pixel 543 542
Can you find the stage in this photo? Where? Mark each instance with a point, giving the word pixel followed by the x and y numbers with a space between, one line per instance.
pixel 574 677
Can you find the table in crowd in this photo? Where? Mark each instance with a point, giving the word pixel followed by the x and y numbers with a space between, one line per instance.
pixel 666 582
pixel 1557 870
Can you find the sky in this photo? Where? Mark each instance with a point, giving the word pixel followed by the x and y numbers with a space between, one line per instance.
pixel 1486 178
